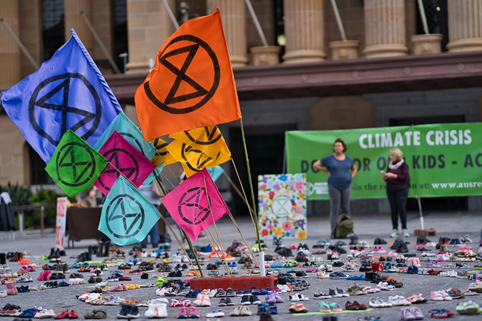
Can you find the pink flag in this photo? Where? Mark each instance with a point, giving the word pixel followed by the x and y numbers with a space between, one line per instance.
pixel 190 204
pixel 123 158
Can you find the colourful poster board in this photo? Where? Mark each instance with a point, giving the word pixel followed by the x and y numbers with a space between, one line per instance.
pixel 282 206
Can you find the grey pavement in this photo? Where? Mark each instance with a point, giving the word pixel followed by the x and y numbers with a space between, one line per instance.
pixel 368 227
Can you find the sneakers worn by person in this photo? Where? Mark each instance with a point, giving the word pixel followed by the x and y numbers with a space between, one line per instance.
pixel 405 233
pixel 394 233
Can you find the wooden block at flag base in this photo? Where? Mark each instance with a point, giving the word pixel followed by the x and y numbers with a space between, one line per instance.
pixel 425 232
pixel 234 282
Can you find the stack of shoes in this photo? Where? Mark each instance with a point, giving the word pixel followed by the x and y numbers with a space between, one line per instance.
pixel 128 311
pixel 353 238
pixel 265 312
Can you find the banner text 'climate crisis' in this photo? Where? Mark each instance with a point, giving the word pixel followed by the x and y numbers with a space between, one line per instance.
pixel 412 138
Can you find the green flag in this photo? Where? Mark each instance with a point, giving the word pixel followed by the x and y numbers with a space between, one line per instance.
pixel 75 165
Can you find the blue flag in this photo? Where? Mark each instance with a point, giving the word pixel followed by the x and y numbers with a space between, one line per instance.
pixel 215 172
pixel 66 92
pixel 127 216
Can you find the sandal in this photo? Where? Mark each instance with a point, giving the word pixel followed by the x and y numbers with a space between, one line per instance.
pixel 100 314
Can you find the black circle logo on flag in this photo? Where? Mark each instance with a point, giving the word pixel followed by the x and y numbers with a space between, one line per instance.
pixel 131 221
pixel 202 159
pixel 211 137
pixel 190 208
pixel 72 170
pixel 138 144
pixel 50 100
pixel 130 169
pixel 192 45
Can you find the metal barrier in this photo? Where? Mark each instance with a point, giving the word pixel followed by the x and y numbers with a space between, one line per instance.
pixel 21 208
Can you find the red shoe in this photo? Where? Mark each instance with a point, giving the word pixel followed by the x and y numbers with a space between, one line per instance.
pixel 73 315
pixel 63 315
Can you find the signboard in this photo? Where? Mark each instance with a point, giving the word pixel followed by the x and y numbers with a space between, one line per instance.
pixel 61 219
pixel 282 206
pixel 443 159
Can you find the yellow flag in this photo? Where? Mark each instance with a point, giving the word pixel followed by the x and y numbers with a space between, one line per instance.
pixel 162 155
pixel 199 148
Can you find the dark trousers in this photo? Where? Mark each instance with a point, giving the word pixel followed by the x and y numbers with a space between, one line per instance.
pixel 398 202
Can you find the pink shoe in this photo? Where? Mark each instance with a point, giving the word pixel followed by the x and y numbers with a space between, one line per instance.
pixel 41 276
pixel 11 287
pixel 123 287
pixel 113 288
pixel 393 254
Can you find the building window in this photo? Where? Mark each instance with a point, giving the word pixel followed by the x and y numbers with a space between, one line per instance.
pixel 38 175
pixel 437 19
pixel 279 27
pixel 53 26
pixel 120 31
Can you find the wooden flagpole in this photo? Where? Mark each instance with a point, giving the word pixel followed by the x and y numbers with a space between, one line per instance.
pixel 255 214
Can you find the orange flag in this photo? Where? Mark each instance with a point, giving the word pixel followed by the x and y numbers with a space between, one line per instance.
pixel 192 83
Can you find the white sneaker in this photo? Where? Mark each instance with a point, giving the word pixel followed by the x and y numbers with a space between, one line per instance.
pixel 216 314
pixel 246 311
pixel 302 297
pixel 161 291
pixel 156 310
pixel 394 233
pixel 44 313
pixel 212 293
pixel 294 298
pixel 405 233
pixel 237 311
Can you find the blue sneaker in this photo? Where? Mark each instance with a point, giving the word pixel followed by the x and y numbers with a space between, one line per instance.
pixel 63 283
pixel 207 249
pixel 29 313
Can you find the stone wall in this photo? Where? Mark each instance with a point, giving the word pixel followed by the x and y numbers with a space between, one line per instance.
pixel 13 154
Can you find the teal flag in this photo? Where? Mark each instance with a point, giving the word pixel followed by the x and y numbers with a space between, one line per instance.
pixel 127 216
pixel 124 126
pixel 215 172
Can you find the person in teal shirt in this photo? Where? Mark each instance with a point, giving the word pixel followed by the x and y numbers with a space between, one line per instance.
pixel 340 169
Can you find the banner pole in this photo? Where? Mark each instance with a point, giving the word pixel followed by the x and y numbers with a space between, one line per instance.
pixel 256 228
pixel 419 202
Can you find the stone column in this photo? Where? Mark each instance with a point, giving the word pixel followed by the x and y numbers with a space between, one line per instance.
pixel 304 31
pixel 73 19
pixel 30 34
pixel 385 28
pixel 465 25
pixel 148 27
pixel 9 50
pixel 233 13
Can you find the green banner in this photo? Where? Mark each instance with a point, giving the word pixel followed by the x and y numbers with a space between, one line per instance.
pixel 444 159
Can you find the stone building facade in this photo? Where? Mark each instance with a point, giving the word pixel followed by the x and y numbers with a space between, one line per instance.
pixel 387 71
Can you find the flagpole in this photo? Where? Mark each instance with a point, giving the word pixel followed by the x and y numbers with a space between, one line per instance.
pixel 256 228
pixel 236 189
pixel 236 225
pixel 185 235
